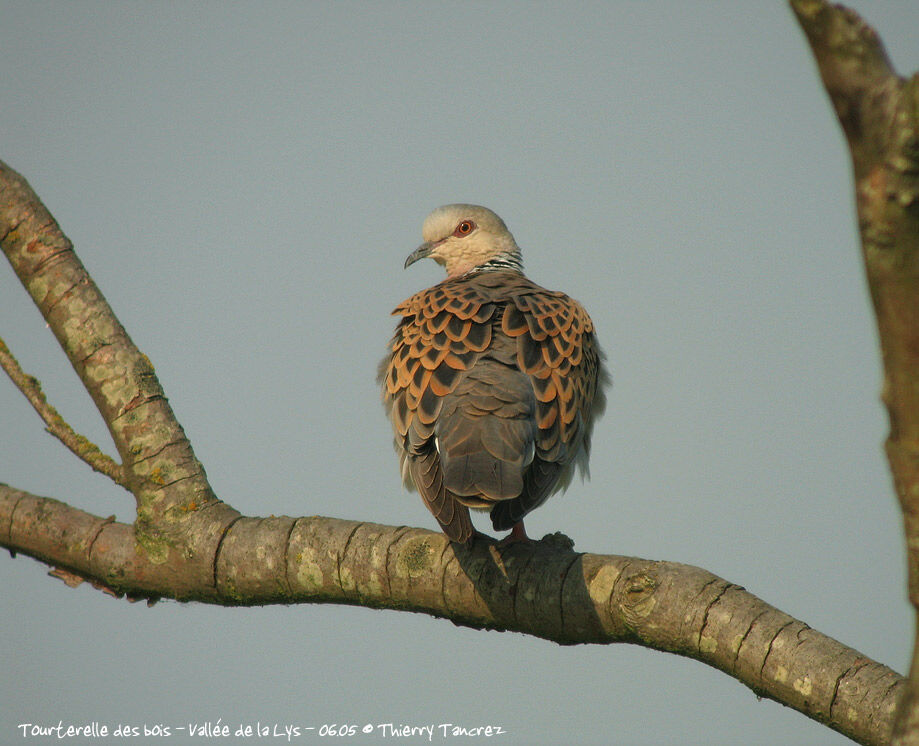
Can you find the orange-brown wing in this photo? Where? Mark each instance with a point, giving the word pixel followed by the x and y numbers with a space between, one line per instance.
pixel 443 331
pixel 558 350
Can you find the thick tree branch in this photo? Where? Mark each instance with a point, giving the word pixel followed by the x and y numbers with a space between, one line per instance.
pixel 79 445
pixel 155 454
pixel 544 589
pixel 168 482
pixel 879 113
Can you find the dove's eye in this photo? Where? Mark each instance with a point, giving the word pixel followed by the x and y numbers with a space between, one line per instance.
pixel 464 228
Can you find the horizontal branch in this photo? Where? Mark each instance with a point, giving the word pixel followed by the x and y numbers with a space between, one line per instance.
pixel 544 589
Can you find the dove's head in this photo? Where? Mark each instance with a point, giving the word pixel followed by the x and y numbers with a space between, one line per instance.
pixel 463 238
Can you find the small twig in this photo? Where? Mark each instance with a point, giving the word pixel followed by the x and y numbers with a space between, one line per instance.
pixel 80 445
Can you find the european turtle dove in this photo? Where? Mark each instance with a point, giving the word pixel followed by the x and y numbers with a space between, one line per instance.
pixel 492 383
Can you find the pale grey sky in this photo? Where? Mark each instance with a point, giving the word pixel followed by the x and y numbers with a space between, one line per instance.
pixel 244 182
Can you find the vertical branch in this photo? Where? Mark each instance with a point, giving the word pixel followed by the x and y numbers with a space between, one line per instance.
pixel 879 113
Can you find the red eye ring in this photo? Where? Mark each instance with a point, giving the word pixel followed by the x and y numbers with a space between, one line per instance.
pixel 464 229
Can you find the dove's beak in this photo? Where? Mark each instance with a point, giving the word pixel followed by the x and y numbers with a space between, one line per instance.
pixel 420 253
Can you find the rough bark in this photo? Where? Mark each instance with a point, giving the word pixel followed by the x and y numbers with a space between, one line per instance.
pixel 879 114
pixel 544 589
pixel 178 516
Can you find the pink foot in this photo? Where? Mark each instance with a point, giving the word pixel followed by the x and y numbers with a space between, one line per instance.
pixel 517 535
